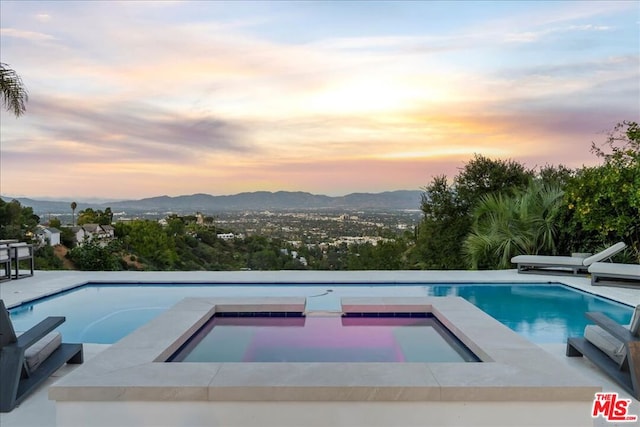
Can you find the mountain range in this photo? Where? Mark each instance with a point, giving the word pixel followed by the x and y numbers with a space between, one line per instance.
pixel 251 201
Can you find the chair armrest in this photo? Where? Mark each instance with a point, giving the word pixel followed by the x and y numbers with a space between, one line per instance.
pixel 40 330
pixel 618 331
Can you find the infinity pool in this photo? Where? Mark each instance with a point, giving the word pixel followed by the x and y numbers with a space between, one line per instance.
pixel 105 313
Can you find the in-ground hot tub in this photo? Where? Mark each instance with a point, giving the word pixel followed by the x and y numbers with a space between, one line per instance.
pixel 351 338
pixel 133 382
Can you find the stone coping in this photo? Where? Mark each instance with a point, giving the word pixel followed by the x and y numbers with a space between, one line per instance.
pixel 512 368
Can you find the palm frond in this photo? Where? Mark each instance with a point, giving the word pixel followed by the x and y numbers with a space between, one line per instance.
pixel 14 93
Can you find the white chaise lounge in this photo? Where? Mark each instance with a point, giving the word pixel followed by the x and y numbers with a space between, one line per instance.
pixel 544 264
pixel 610 272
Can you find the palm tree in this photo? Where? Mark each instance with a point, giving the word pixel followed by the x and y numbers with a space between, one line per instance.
pixel 74 205
pixel 14 94
pixel 505 226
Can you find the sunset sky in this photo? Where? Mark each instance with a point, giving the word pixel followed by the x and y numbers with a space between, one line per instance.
pixel 140 99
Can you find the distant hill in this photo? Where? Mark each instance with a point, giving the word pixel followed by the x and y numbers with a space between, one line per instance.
pixel 259 200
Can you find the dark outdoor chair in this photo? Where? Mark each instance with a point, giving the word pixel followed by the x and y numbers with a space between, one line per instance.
pixel 30 358
pixel 21 252
pixel 613 348
pixel 5 263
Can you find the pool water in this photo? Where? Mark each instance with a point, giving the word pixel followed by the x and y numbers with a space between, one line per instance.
pixel 106 313
pixel 324 339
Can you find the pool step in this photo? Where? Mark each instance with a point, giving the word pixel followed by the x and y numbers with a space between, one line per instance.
pixel 323 313
pixel 328 305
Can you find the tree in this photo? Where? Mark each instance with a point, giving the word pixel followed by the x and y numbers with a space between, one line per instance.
pixel 604 200
pixel 483 176
pixel 448 209
pixel 149 241
pixel 442 230
pixel 74 205
pixel 16 221
pixel 95 256
pixel 14 93
pixel 508 225
pixel 90 216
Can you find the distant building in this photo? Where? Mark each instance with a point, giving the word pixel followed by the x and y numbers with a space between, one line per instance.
pixel 109 230
pixel 225 236
pixel 87 232
pixel 48 236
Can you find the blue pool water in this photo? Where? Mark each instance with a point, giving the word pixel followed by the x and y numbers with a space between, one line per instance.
pixel 106 313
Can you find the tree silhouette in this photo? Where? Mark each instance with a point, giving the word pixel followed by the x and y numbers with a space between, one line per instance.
pixel 74 205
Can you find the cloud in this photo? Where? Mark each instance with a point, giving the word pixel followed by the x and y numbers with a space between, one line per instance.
pixel 186 100
pixel 535 36
pixel 27 35
pixel 100 132
pixel 43 17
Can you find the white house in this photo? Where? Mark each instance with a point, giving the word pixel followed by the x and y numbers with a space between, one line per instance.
pixel 93 231
pixel 48 236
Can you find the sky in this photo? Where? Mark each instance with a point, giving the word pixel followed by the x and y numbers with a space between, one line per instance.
pixel 139 99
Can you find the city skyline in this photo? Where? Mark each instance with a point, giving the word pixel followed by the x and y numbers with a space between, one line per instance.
pixel 138 99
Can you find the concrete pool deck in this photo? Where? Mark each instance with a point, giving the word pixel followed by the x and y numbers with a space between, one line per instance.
pixel 38 411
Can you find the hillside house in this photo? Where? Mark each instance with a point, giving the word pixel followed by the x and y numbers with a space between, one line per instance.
pixel 48 236
pixel 87 232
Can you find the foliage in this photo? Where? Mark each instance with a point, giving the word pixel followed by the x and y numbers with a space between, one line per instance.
pixel 448 209
pixel 604 200
pixel 558 176
pixel 482 176
pixel 387 255
pixel 55 223
pixel 508 225
pixel 89 216
pixel 149 241
pixel 97 256
pixel 45 259
pixel 67 238
pixel 14 93
pixel 16 221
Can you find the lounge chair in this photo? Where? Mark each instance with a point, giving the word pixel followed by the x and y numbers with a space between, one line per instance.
pixel 613 348
pixel 543 264
pixel 5 263
pixel 29 359
pixel 608 273
pixel 21 252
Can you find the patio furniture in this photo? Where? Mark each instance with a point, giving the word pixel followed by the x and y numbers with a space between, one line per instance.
pixel 21 252
pixel 616 274
pixel 544 264
pixel 5 263
pixel 613 348
pixel 28 359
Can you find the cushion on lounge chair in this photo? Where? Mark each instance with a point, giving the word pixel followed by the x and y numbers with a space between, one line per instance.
pixel 567 261
pixel 607 253
pixel 610 271
pixel 610 345
pixel 602 339
pixel 548 260
pixel 42 349
pixel 4 252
